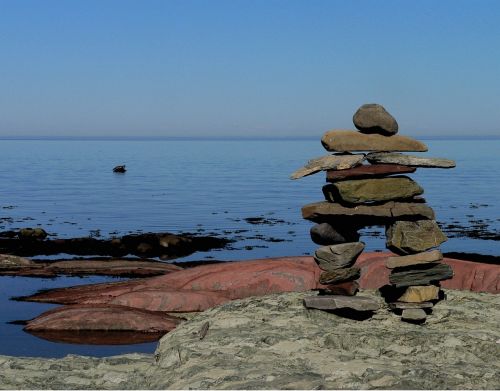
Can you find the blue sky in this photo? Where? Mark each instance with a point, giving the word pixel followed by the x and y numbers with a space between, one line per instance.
pixel 239 68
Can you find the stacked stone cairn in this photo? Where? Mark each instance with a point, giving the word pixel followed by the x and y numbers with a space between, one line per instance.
pixel 365 189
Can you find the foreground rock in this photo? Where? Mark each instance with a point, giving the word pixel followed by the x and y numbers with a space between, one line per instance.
pixel 328 162
pixel 273 342
pixel 374 118
pixel 408 160
pixel 351 141
pixel 424 275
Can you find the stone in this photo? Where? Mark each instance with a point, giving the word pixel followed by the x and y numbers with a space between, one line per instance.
pixel 420 293
pixel 325 234
pixel 409 160
pixel 414 259
pixel 336 302
pixel 414 314
pixel 338 256
pixel 408 237
pixel 32 233
pixel 348 288
pixel 328 162
pixel 339 275
pixel 351 141
pixel 367 171
pixel 361 191
pixel 102 317
pixel 368 214
pixel 424 275
pixel 406 306
pixel 374 118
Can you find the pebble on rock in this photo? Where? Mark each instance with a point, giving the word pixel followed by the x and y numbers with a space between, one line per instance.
pixel 414 314
pixel 374 118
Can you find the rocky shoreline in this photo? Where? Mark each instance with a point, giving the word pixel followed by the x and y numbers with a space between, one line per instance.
pixel 254 344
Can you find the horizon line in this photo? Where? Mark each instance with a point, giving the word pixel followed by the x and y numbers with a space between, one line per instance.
pixel 215 138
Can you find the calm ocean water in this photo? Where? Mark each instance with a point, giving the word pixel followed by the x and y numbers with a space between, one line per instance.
pixel 209 187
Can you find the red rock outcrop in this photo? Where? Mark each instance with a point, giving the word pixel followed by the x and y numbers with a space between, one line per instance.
pixel 264 276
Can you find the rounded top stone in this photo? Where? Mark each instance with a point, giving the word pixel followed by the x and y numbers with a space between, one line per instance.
pixel 374 118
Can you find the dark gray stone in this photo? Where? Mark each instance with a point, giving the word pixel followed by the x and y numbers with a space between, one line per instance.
pixel 374 118
pixel 325 234
pixel 424 275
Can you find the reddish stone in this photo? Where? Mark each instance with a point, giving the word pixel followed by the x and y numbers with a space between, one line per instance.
pixel 367 171
pixel 171 301
pixel 102 317
pixel 474 276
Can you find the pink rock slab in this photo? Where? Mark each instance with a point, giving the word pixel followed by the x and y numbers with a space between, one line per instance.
pixel 260 277
pixel 103 317
pixel 171 300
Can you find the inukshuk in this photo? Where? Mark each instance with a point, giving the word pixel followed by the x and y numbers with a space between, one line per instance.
pixel 367 189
